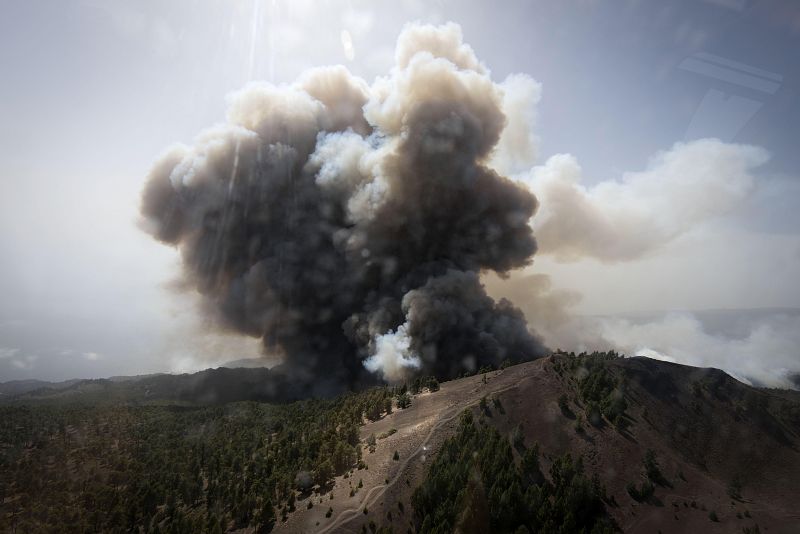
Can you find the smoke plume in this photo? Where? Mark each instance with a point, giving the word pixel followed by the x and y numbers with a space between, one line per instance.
pixel 623 220
pixel 346 224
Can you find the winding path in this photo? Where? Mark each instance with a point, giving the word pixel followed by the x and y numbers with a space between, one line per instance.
pixel 377 491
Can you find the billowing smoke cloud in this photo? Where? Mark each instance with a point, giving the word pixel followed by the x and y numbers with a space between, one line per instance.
pixel 621 220
pixel 518 147
pixel 345 224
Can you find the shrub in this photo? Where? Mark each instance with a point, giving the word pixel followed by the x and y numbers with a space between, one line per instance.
pixel 562 403
pixel 642 493
pixel 304 480
pixel 404 401
pixel 735 488
pixel 578 424
pixel 388 433
pixel 652 469
pixel 517 438
pixel 433 385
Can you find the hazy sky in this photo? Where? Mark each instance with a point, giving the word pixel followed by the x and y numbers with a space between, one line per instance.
pixel 93 91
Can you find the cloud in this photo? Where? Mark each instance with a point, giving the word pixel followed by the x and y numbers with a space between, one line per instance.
pixel 358 22
pixel 518 147
pixel 342 223
pixel 347 45
pixel 376 263
pixel 6 352
pixel 756 346
pixel 25 363
pixel 548 308
pixel 626 219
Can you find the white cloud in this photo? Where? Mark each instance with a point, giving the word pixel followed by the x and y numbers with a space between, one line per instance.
pixel 347 45
pixel 622 220
pixel 359 22
pixel 25 363
pixel 751 345
pixel 6 352
pixel 518 146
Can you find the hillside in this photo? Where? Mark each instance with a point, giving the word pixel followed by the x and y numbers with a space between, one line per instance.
pixel 644 445
pixel 707 431
pixel 204 388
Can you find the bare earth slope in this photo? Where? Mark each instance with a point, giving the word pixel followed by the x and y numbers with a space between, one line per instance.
pixel 706 430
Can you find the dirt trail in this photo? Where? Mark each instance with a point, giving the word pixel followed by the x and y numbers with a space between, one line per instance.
pixel 377 491
pixel 530 401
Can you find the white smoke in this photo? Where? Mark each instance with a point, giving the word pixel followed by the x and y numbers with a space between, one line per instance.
pixel 625 219
pixel 393 357
pixel 341 222
pixel 761 347
pixel 518 147
pixel 321 207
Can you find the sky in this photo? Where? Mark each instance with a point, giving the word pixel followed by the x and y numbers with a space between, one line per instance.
pixel 674 125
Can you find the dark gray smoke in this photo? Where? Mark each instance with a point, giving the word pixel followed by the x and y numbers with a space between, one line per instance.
pixel 346 225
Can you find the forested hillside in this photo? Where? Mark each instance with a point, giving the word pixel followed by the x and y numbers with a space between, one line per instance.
pixel 570 443
pixel 77 468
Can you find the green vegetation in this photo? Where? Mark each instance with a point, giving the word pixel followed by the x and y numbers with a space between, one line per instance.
pixel 518 438
pixel 115 468
pixel 642 493
pixel 433 385
pixel 424 382
pixel 475 481
pixel 563 404
pixel 403 401
pixel 735 488
pixel 653 476
pixel 384 435
pixel 600 391
pixel 652 470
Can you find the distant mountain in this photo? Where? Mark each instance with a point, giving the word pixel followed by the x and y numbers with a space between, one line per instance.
pixel 248 363
pixel 208 387
pixel 18 387
pixel 41 389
